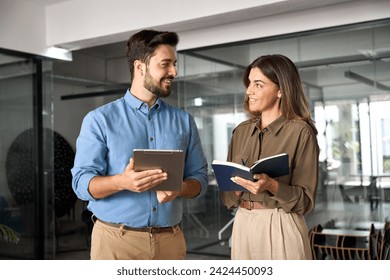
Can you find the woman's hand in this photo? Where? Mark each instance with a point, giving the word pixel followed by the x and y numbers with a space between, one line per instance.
pixel 263 183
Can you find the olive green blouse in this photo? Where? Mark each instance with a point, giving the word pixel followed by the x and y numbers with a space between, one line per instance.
pixel 297 191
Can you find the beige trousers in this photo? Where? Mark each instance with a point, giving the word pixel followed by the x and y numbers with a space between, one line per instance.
pixel 269 234
pixel 109 243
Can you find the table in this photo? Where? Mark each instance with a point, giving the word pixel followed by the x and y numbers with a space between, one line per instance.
pixel 371 188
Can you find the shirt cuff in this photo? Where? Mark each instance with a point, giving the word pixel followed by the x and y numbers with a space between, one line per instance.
pixel 83 189
pixel 283 195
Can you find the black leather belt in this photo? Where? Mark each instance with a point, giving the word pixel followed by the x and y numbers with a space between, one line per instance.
pixel 151 230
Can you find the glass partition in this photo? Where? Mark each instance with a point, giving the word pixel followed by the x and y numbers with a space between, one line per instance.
pixel 26 158
pixel 209 91
pixel 345 72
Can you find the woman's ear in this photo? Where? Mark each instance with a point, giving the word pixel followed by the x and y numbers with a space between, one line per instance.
pixel 279 94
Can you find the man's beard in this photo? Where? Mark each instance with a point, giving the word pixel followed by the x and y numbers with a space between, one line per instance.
pixel 151 85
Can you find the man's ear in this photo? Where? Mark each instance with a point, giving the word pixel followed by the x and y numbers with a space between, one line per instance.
pixel 139 66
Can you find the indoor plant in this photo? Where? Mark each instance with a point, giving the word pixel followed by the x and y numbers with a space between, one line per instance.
pixel 7 234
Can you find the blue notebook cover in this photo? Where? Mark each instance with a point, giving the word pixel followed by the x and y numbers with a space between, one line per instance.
pixel 274 166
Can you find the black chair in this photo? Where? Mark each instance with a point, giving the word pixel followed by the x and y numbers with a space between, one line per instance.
pixel 341 244
pixel 385 243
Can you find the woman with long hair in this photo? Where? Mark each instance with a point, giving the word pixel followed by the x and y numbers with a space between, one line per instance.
pixel 269 222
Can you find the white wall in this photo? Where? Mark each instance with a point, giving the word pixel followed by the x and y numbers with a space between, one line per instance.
pixel 23 27
pixel 299 21
pixel 34 26
pixel 106 21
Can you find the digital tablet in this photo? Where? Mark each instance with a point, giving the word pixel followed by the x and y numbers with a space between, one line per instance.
pixel 170 161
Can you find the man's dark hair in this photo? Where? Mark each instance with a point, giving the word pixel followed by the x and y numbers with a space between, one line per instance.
pixel 141 45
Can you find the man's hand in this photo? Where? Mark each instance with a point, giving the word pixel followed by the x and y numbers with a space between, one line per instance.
pixel 191 188
pixel 140 181
pixel 129 179
pixel 166 196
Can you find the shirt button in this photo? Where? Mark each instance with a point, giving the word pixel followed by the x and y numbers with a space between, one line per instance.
pixel 149 118
pixel 154 209
pixel 151 138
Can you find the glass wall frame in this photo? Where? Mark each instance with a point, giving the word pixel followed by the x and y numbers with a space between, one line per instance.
pixel 26 156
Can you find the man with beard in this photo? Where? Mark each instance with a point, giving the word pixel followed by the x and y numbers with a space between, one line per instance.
pixel 131 221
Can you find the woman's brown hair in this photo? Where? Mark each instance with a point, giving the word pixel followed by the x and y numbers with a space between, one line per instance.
pixel 283 72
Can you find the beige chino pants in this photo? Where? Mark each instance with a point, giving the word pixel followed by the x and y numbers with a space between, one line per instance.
pixel 110 243
pixel 269 234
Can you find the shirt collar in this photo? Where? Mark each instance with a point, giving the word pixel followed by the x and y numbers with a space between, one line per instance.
pixel 277 125
pixel 273 127
pixel 137 104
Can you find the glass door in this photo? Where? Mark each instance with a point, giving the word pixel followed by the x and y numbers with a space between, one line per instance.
pixel 26 159
pixel 213 94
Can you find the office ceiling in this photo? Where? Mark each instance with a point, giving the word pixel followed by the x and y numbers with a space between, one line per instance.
pixel 351 64
pixel 216 15
pixel 332 67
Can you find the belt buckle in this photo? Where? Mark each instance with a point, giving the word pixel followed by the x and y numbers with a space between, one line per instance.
pixel 150 230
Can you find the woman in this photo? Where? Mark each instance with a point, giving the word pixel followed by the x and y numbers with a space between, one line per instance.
pixel 269 222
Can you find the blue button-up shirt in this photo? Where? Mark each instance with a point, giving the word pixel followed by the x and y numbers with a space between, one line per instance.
pixel 107 138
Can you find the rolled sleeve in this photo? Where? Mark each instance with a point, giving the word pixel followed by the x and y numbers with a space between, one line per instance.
pixel 82 186
pixel 89 160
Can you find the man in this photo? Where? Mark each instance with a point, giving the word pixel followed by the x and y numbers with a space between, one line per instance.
pixel 131 220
